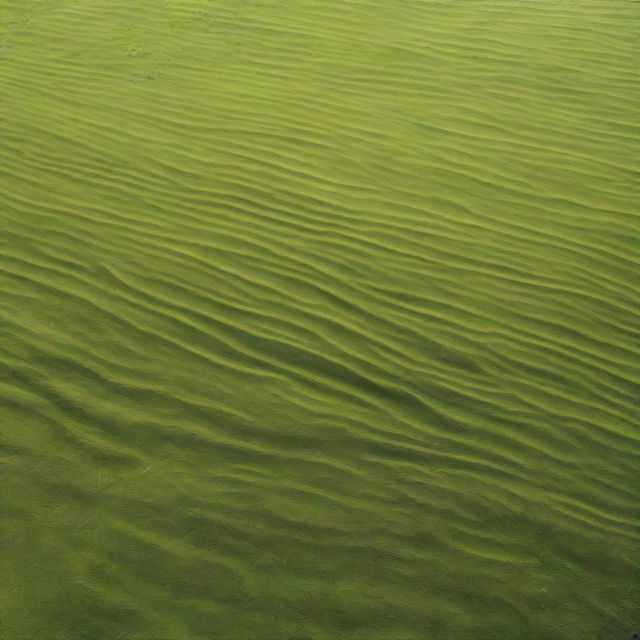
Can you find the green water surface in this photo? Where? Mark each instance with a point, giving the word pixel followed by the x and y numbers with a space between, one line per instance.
pixel 319 319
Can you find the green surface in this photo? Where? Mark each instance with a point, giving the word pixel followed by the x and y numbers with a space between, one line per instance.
pixel 319 319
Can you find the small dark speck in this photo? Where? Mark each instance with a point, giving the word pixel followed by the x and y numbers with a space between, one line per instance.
pixel 635 636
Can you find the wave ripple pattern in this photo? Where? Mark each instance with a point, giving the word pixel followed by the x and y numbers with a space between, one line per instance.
pixel 319 320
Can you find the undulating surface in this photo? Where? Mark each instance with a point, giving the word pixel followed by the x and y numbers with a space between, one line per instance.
pixel 319 319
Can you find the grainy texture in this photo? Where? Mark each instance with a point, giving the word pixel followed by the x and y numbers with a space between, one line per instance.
pixel 319 319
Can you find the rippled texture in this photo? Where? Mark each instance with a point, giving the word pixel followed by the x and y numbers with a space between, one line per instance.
pixel 319 319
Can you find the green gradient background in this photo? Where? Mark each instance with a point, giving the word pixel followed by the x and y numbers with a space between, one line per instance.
pixel 319 319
